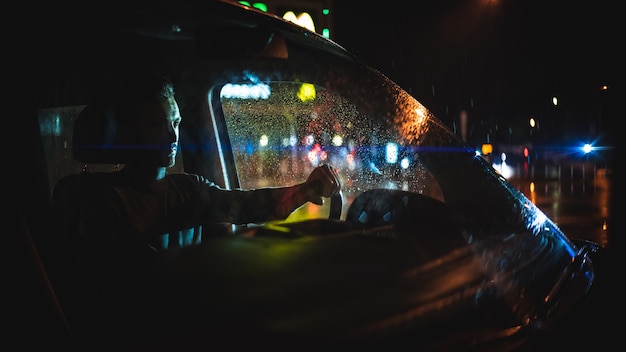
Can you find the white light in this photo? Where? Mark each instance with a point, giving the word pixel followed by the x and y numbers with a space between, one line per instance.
pixel 264 140
pixel 503 169
pixel 246 91
pixel 391 154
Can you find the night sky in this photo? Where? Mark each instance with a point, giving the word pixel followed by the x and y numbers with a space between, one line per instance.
pixel 502 60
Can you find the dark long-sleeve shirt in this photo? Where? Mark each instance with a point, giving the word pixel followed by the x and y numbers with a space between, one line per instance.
pixel 102 208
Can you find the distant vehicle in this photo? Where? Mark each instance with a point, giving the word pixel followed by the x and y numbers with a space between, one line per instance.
pixel 427 247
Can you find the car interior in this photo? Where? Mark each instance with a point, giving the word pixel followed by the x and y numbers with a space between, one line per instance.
pixel 239 142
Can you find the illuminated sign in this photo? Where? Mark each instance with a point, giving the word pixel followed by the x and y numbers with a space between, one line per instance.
pixel 314 15
pixel 246 91
pixel 303 19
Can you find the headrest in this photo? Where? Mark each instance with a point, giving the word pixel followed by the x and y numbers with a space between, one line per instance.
pixel 94 138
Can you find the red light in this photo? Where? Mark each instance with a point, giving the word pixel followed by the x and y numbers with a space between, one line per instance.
pixel 526 152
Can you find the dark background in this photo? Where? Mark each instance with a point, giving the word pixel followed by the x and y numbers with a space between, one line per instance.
pixel 501 60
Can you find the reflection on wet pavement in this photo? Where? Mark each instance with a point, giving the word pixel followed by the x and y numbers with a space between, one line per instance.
pixel 580 206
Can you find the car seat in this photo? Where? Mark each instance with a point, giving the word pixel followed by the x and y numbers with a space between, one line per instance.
pixel 93 142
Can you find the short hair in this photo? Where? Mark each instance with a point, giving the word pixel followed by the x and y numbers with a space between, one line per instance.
pixel 137 90
pixel 134 93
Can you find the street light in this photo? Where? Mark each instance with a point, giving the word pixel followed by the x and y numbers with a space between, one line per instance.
pixel 533 126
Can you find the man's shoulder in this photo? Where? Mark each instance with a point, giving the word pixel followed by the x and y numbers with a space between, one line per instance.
pixel 87 180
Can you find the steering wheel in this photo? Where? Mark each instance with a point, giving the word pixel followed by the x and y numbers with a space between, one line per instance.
pixel 336 203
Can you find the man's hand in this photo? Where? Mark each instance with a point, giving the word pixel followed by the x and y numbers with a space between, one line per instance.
pixel 323 182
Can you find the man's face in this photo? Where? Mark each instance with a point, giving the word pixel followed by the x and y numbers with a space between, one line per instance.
pixel 158 132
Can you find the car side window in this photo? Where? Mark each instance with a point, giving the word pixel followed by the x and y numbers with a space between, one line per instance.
pixel 280 131
pixel 56 126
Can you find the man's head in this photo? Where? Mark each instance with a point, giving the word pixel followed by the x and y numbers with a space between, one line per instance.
pixel 148 120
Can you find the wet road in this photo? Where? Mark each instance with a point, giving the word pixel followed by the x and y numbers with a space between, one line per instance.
pixel 579 205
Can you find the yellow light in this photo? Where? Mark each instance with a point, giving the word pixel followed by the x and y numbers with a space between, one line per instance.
pixel 486 149
pixel 306 92
pixel 290 16
pixel 303 19
pixel 276 226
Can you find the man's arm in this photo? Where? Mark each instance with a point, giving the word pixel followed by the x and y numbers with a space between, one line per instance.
pixel 264 204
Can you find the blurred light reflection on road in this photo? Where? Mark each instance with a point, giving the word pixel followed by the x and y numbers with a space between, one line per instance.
pixel 579 206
